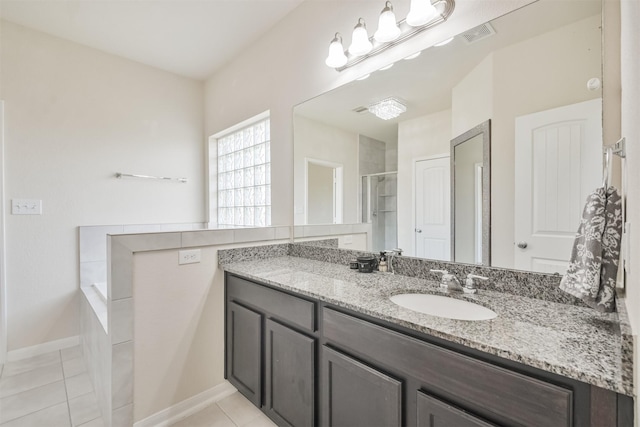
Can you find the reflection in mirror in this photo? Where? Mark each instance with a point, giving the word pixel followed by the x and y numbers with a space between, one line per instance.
pixel 533 60
pixel 323 192
pixel 470 190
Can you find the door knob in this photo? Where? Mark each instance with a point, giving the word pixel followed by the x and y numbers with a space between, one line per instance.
pixel 418 230
pixel 522 245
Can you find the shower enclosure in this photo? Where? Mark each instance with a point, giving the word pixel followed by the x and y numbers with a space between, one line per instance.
pixel 379 206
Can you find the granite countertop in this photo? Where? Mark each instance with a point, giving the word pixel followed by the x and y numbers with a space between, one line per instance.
pixel 568 340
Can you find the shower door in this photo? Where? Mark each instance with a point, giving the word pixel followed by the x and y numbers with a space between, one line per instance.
pixel 379 208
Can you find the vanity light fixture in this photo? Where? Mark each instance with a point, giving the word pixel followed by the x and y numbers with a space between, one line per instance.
pixel 421 12
pixel 388 108
pixel 336 58
pixel 413 56
pixel 423 15
pixel 386 67
pixel 388 29
pixel 365 77
pixel 360 43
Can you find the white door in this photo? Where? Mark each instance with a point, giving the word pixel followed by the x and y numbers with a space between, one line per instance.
pixel 433 206
pixel 558 162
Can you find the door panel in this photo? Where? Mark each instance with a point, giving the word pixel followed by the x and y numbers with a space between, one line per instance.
pixel 357 395
pixel 244 350
pixel 558 163
pixel 433 412
pixel 432 230
pixel 290 375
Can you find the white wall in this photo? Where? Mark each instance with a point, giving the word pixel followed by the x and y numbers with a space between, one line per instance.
pixel 322 142
pixel 73 117
pixel 419 138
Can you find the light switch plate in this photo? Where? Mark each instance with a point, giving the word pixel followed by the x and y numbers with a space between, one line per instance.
pixel 26 207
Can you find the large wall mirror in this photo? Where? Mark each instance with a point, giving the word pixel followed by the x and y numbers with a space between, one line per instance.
pixel 524 77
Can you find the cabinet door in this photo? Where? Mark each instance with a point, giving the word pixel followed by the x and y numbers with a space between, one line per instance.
pixel 244 332
pixel 433 412
pixel 290 375
pixel 354 394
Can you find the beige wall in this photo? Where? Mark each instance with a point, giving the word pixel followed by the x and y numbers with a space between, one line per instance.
pixel 178 329
pixel 322 142
pixel 420 138
pixel 320 194
pixel 73 117
pixel 472 98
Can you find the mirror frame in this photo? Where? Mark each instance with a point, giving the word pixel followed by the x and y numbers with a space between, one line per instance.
pixel 483 129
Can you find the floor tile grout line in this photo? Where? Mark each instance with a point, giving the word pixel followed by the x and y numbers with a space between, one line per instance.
pixel 66 392
pixel 227 415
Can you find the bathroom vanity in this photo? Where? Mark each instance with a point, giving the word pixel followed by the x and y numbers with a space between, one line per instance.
pixel 314 343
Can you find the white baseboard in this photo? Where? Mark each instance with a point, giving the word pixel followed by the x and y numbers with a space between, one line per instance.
pixel 190 406
pixel 47 347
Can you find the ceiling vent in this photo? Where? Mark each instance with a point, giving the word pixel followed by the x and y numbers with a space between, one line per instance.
pixel 361 110
pixel 478 33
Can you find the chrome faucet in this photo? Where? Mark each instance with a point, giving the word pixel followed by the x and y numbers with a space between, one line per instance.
pixel 391 253
pixel 469 286
pixel 449 281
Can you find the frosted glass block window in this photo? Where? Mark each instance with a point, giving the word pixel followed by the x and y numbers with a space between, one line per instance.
pixel 244 176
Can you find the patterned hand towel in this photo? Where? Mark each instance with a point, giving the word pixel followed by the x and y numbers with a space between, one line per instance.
pixel 593 267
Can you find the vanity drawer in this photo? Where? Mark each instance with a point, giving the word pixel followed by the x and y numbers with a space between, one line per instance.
pixel 294 310
pixel 490 391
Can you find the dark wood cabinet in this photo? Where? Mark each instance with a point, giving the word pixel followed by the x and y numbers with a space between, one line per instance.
pixel 290 375
pixel 373 373
pixel 244 339
pixel 355 394
pixel 271 350
pixel 432 412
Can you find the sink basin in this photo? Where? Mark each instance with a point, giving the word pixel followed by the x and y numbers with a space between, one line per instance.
pixel 441 306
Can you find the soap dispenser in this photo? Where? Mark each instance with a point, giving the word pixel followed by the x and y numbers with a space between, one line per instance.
pixel 382 266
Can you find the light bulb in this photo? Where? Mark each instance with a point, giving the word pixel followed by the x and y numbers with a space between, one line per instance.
pixel 360 44
pixel 388 29
pixel 421 12
pixel 336 58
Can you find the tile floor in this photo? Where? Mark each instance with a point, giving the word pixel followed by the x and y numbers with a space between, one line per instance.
pixel 54 390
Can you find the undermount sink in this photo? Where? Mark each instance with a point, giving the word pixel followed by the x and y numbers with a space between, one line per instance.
pixel 442 306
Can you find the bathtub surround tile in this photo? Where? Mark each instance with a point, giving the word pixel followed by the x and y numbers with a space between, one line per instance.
pixel 93 272
pixel 206 238
pixel 27 402
pixel 283 233
pixel 141 228
pixel 120 279
pixel 150 242
pixel 56 415
pixel 122 374
pixel 93 242
pixel 123 417
pixel 239 409
pixel 24 365
pixel 242 235
pixel 31 379
pixel 83 408
pixel 71 352
pixel 121 320
pixel 73 367
pixel 78 385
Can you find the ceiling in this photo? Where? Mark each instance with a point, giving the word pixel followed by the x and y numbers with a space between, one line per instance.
pixel 192 38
